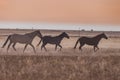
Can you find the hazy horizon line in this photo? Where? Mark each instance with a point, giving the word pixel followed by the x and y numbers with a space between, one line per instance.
pixel 58 26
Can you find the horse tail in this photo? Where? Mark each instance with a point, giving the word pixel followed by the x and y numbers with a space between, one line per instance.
pixel 76 43
pixel 6 41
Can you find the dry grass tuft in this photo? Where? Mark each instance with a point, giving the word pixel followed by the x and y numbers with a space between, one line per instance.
pixel 59 67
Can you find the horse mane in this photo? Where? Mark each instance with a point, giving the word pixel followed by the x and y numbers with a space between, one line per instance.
pixel 98 35
pixel 31 32
pixel 62 33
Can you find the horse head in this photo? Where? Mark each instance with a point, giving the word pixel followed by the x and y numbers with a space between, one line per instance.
pixel 104 36
pixel 38 33
pixel 65 35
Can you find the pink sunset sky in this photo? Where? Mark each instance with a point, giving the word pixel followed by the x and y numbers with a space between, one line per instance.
pixel 70 11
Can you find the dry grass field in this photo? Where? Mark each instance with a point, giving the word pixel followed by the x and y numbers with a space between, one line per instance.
pixel 68 64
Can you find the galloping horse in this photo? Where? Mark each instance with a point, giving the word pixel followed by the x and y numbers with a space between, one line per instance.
pixel 24 39
pixel 53 40
pixel 94 41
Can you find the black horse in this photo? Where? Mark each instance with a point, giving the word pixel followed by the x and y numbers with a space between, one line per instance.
pixel 94 41
pixel 53 40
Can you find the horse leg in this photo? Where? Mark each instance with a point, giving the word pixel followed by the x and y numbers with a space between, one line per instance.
pixel 60 46
pixel 43 45
pixel 80 47
pixel 95 48
pixel 25 47
pixel 55 47
pixel 32 47
pixel 14 46
pixel 39 43
pixel 9 46
pixel 45 48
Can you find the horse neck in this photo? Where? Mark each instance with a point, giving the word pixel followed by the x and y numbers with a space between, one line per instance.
pixel 99 37
pixel 61 36
pixel 32 35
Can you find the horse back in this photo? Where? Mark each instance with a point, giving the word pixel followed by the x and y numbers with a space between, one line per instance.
pixel 50 39
pixel 20 38
pixel 87 40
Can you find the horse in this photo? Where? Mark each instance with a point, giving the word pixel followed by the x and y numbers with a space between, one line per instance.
pixel 93 41
pixel 23 39
pixel 56 40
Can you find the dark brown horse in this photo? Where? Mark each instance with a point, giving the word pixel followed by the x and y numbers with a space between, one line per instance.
pixel 94 41
pixel 56 40
pixel 24 39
